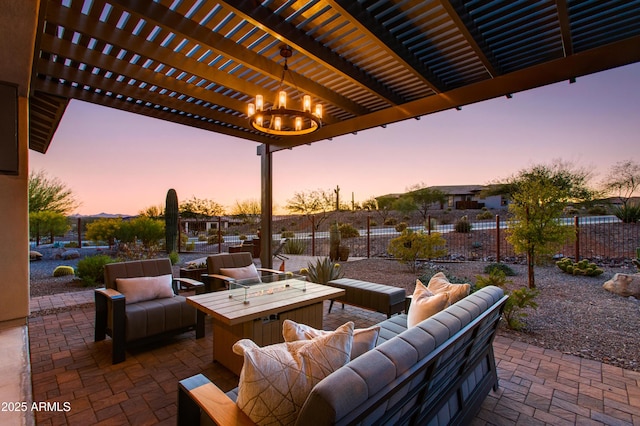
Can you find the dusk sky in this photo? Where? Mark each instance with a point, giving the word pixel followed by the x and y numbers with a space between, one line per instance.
pixel 117 162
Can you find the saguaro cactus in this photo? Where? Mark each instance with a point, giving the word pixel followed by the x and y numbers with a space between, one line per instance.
pixel 334 242
pixel 171 221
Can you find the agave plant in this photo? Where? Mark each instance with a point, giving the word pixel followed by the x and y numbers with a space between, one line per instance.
pixel 323 271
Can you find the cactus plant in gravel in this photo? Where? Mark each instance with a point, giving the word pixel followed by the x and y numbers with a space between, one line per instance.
pixel 171 221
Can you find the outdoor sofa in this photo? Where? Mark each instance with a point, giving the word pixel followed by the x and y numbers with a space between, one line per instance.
pixel 435 373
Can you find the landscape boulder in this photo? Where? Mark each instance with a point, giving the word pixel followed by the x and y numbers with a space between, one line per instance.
pixel 70 254
pixel 35 255
pixel 624 285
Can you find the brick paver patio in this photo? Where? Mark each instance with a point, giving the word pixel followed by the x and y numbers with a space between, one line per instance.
pixel 537 386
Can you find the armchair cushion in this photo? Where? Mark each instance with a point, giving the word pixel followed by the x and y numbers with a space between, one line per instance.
pixel 140 289
pixel 157 316
pixel 242 273
pixel 275 380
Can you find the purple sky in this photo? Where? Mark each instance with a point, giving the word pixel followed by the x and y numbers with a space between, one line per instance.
pixel 117 162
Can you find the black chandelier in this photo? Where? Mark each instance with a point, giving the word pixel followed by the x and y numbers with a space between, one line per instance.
pixel 280 120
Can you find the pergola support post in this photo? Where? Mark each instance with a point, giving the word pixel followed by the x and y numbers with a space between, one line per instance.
pixel 266 206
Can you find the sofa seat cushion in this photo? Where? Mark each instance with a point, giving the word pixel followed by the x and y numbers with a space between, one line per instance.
pixel 157 316
pixel 275 380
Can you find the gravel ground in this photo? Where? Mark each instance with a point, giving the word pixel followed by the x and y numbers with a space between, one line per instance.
pixel 575 314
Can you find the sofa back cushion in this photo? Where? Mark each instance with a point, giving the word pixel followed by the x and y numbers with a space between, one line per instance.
pixel 377 383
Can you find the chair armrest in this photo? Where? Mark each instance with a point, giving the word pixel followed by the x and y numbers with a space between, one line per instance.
pixel 109 293
pixel 189 283
pixel 198 393
pixel 272 271
pixel 218 276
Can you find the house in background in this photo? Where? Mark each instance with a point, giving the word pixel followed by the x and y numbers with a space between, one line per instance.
pixel 462 197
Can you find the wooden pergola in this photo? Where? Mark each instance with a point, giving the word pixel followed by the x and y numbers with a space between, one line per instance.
pixel 368 62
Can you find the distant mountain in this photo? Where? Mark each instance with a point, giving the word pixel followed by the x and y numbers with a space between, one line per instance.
pixel 101 215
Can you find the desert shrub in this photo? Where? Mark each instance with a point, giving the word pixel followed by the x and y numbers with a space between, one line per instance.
pixel 288 234
pixel 213 239
pixel 174 257
pixel 323 271
pixel 401 226
pixel 62 270
pixel 72 244
pixel 430 272
pixel 518 301
pixel 242 237
pixel 390 221
pixel 463 226
pixel 411 246
pixel 91 269
pixel 373 223
pixel 627 214
pixel 485 215
pixel 597 210
pixel 506 269
pixel 583 267
pixel 202 237
pixel 191 246
pixel 347 230
pixel 294 247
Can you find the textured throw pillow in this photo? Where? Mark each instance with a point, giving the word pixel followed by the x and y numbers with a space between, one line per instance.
pixel 439 283
pixel 242 273
pixel 364 339
pixel 275 380
pixel 425 304
pixel 140 289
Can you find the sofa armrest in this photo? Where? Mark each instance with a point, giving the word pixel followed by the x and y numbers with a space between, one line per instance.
pixel 197 395
pixel 271 271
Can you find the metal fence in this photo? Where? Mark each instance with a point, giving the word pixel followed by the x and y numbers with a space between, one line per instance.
pixel 602 237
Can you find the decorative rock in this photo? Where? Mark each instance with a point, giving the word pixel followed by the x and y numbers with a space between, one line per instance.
pixel 35 255
pixel 624 285
pixel 70 254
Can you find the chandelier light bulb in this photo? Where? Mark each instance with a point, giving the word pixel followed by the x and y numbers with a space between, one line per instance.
pixel 298 123
pixel 282 99
pixel 251 110
pixel 306 103
pixel 319 110
pixel 259 103
pixel 277 123
pixel 259 120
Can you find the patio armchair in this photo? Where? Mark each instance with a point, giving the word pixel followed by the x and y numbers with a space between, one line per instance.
pixel 140 303
pixel 226 267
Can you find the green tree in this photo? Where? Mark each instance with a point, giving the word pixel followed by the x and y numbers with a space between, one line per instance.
pixel 47 223
pixel 200 208
pixel 154 212
pixel 312 204
pixel 424 198
pixel 411 246
pixel 104 230
pixel 538 198
pixel 247 210
pixel 148 231
pixel 623 181
pixel 384 205
pixel 49 194
pixel 404 205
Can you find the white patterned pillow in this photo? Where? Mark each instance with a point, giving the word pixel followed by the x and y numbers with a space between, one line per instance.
pixel 364 339
pixel 275 380
pixel 140 289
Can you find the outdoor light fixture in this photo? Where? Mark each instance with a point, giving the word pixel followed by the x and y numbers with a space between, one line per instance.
pixel 280 120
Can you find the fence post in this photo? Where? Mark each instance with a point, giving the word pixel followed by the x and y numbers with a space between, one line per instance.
pixel 576 223
pixel 368 237
pixel 79 232
pixel 313 236
pixel 219 234
pixel 429 225
pixel 497 238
